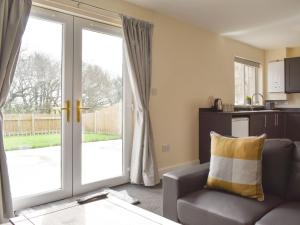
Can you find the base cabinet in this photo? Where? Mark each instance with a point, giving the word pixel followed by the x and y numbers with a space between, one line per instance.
pixel 271 124
pixel 211 121
pixel 292 128
pixel 257 124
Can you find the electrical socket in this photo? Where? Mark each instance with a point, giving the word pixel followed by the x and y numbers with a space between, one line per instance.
pixel 166 148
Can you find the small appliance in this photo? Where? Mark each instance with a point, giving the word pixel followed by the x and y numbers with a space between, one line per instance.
pixel 218 106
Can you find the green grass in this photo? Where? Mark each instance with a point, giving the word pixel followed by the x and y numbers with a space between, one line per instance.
pixel 40 141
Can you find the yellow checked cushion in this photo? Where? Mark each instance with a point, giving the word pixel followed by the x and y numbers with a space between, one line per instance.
pixel 236 165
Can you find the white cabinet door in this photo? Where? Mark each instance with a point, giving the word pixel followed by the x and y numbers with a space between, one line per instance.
pixel 276 77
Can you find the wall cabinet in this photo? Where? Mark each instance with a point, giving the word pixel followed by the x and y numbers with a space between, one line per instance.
pixel 276 77
pixel 292 75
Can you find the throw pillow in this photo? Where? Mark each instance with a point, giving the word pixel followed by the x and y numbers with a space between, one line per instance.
pixel 236 165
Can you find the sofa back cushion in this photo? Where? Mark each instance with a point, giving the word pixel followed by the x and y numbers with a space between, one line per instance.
pixel 293 192
pixel 276 164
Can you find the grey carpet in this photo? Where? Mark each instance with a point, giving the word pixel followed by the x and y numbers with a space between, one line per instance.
pixel 150 197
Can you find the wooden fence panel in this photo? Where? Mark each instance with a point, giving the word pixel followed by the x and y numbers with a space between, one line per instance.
pixel 108 120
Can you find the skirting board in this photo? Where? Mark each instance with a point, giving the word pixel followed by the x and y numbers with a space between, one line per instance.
pixel 163 170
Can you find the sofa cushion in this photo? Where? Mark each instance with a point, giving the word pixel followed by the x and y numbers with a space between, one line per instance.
pixel 236 165
pixel 276 163
pixel 285 214
pixel 209 207
pixel 293 192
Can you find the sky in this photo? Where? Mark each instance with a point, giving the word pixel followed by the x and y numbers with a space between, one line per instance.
pixel 98 48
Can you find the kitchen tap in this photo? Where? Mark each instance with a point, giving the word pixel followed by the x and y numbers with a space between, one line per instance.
pixel 257 102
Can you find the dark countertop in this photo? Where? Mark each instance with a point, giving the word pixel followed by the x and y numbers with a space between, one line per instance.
pixel 248 112
pixel 289 109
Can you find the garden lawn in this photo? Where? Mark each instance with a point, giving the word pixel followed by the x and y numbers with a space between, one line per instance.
pixel 40 141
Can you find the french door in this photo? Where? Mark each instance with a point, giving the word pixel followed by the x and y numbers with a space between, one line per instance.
pixel 99 96
pixel 67 117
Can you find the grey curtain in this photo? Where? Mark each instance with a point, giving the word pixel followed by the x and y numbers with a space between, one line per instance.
pixel 13 18
pixel 138 46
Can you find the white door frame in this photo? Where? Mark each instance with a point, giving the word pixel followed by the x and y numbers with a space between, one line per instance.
pixel 66 147
pixel 79 24
pixel 71 131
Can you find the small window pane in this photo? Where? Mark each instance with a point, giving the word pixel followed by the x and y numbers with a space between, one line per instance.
pixel 239 83
pixel 249 81
pixel 245 82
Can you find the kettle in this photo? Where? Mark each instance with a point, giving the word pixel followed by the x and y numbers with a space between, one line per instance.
pixel 218 106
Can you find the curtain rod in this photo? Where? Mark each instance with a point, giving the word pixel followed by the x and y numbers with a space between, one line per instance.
pixel 116 16
pixel 97 7
pixel 86 10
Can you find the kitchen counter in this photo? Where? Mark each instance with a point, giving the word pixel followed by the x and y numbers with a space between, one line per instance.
pixel 242 112
pixel 246 112
pixel 277 123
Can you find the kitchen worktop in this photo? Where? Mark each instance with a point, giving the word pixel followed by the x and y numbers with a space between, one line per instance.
pixel 247 112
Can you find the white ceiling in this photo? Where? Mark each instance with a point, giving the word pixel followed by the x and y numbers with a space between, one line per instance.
pixel 267 24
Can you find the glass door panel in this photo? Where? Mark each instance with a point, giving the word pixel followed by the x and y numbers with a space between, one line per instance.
pixel 34 122
pixel 32 127
pixel 102 95
pixel 99 100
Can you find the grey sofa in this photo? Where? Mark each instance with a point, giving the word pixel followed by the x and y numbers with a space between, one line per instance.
pixel 186 200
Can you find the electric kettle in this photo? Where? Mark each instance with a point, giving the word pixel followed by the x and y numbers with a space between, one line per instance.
pixel 218 104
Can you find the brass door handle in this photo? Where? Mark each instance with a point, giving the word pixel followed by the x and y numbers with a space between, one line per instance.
pixel 68 109
pixel 79 108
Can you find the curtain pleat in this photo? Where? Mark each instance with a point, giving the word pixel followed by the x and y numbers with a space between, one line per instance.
pixel 138 46
pixel 13 18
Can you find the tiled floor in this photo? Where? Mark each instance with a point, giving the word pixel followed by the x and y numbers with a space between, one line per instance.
pixel 34 171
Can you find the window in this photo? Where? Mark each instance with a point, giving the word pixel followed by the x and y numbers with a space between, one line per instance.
pixel 247 80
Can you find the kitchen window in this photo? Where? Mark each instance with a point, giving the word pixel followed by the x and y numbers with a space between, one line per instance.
pixel 247 81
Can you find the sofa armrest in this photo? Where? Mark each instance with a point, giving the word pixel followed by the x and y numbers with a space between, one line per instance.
pixel 179 183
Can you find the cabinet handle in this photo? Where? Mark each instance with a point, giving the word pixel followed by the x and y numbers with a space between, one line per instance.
pixel 265 121
pixel 275 120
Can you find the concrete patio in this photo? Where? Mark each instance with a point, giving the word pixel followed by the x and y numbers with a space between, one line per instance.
pixel 38 170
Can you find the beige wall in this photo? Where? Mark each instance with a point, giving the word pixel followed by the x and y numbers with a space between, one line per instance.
pixel 189 65
pixel 293 52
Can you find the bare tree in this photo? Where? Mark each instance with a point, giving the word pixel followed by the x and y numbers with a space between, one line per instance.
pixel 99 87
pixel 37 85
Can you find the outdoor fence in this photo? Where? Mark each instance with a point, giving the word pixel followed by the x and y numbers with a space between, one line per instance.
pixel 108 120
